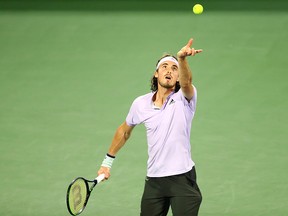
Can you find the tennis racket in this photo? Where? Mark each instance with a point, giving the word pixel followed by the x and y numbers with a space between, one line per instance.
pixel 79 192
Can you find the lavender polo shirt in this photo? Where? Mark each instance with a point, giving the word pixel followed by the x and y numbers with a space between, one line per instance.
pixel 168 132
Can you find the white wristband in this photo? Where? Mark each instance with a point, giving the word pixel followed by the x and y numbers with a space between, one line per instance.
pixel 108 161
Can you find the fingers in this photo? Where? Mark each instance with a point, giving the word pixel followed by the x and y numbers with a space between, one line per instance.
pixel 107 176
pixel 105 171
pixel 194 52
pixel 188 50
pixel 190 42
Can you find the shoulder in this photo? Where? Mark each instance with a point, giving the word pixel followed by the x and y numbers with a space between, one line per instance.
pixel 143 98
pixel 141 101
pixel 191 104
pixel 181 94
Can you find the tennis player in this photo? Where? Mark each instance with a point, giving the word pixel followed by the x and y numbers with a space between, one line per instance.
pixel 167 114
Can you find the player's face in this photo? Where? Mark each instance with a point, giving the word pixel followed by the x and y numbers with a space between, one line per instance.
pixel 167 74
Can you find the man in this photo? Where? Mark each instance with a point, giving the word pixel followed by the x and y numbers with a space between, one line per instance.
pixel 167 114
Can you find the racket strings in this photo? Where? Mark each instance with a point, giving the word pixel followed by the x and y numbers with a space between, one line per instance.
pixel 77 196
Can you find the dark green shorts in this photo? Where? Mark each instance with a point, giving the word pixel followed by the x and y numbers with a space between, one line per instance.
pixel 181 192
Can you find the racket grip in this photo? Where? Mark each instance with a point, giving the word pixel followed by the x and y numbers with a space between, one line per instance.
pixel 100 178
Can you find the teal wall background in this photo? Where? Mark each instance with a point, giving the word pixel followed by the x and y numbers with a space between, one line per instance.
pixel 140 5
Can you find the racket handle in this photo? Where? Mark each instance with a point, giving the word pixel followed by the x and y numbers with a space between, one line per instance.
pixel 100 178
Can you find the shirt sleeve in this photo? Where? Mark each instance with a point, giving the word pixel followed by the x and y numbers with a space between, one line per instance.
pixel 192 103
pixel 132 118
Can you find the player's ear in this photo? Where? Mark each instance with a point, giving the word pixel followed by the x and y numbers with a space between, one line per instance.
pixel 156 74
pixel 177 79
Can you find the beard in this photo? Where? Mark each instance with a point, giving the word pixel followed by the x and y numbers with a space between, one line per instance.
pixel 167 85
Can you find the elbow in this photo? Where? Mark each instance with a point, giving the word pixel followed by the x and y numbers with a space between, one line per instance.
pixel 126 135
pixel 124 132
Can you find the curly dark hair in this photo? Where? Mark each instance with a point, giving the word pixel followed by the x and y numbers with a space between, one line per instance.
pixel 154 80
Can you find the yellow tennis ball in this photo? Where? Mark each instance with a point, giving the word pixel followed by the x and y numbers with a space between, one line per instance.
pixel 197 9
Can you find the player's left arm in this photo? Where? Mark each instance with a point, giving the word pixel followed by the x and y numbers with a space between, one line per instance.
pixel 185 73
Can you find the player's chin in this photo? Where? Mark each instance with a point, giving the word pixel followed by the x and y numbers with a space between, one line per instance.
pixel 168 85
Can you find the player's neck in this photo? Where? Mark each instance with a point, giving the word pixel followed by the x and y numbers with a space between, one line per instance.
pixel 161 96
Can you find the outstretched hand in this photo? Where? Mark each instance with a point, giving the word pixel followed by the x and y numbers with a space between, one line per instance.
pixel 188 50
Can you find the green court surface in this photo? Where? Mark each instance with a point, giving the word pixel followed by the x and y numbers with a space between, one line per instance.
pixel 68 78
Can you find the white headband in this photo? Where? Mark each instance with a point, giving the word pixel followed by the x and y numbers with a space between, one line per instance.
pixel 168 58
